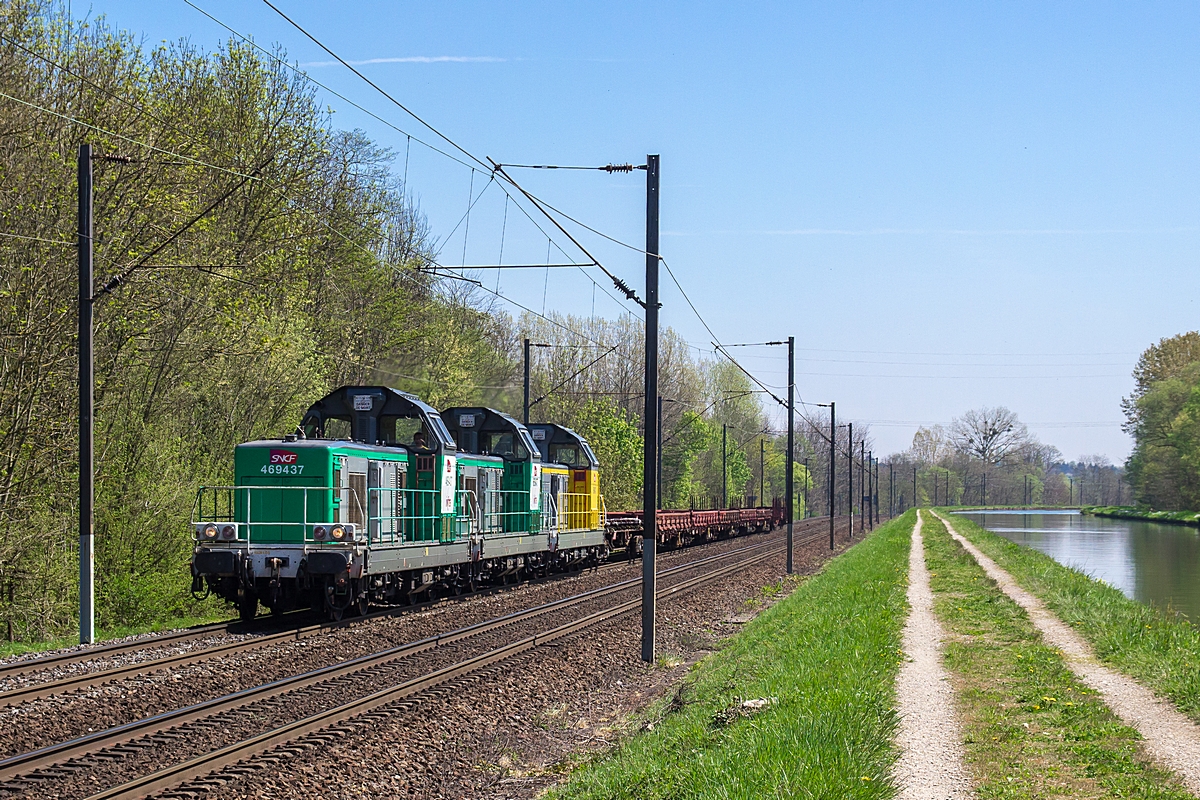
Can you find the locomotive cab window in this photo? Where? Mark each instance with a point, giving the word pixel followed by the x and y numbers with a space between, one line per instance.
pixel 566 454
pixel 336 429
pixel 504 444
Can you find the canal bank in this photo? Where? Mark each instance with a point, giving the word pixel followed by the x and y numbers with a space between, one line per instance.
pixel 1132 512
pixel 1031 727
pixel 1153 644
pixel 1155 564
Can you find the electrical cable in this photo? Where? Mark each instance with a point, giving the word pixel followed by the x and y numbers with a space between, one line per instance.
pixel 280 190
pixel 409 136
pixel 621 285
pixel 572 377
pixel 372 84
pixel 535 201
pixel 127 139
pixel 617 282
pixel 63 242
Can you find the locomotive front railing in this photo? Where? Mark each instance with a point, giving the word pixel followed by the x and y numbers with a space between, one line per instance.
pixel 292 513
pixel 570 511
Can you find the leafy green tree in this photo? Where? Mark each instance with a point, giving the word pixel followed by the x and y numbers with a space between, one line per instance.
pixel 691 436
pixel 619 447
pixel 1164 467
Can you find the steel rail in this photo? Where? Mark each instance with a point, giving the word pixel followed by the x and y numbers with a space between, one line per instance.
pixel 201 766
pixel 67 684
pixel 37 691
pixel 25 763
pixel 41 663
pixel 43 689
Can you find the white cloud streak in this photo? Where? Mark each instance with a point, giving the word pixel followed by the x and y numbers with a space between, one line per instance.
pixel 411 60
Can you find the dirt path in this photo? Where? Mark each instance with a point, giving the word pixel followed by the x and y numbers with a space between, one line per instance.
pixel 1171 739
pixel 930 740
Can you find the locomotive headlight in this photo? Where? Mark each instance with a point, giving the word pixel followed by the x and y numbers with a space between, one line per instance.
pixel 338 533
pixel 210 531
pixel 319 533
pixel 229 532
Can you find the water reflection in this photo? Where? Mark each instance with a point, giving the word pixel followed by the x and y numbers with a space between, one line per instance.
pixel 1148 561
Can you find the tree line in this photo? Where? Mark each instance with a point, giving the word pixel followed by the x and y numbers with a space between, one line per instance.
pixel 250 256
pixel 987 457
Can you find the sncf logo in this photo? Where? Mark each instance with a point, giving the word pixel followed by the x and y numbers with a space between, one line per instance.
pixel 283 457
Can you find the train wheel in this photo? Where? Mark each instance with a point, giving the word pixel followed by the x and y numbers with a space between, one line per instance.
pixel 361 606
pixel 247 606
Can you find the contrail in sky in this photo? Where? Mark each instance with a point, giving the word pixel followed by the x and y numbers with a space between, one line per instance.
pixel 411 60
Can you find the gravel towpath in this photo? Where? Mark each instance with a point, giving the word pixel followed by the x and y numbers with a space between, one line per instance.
pixel 930 739
pixel 1171 739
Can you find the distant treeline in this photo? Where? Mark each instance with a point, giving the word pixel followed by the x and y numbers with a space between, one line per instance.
pixel 989 457
pixel 301 256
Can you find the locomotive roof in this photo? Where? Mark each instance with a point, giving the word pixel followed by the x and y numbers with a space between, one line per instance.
pixel 366 407
pixel 551 433
pixel 482 419
pixel 327 443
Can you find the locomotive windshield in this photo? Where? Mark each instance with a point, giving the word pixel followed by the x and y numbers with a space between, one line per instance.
pixel 566 454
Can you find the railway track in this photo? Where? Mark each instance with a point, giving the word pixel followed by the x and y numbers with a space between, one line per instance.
pixel 592 608
pixel 267 627
pixel 55 665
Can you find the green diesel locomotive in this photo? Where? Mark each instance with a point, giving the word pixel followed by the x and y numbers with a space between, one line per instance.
pixel 378 497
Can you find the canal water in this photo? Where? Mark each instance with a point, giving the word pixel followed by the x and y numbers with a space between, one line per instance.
pixel 1148 561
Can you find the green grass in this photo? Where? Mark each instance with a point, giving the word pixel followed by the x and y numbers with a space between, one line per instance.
pixel 106 634
pixel 828 653
pixel 1154 645
pixel 1031 730
pixel 1133 512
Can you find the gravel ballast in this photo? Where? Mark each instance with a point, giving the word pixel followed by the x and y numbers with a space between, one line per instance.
pixel 54 719
pixel 514 730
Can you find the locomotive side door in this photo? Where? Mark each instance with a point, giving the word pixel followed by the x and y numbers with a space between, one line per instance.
pixel 374 500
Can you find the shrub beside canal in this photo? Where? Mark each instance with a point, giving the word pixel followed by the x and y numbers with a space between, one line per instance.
pixel 818 670
pixel 1157 646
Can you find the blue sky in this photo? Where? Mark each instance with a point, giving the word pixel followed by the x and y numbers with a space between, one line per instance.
pixel 948 204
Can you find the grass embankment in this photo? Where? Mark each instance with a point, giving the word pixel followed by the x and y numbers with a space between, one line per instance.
pixel 108 634
pixel 1030 728
pixel 1159 648
pixel 1133 512
pixel 827 653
